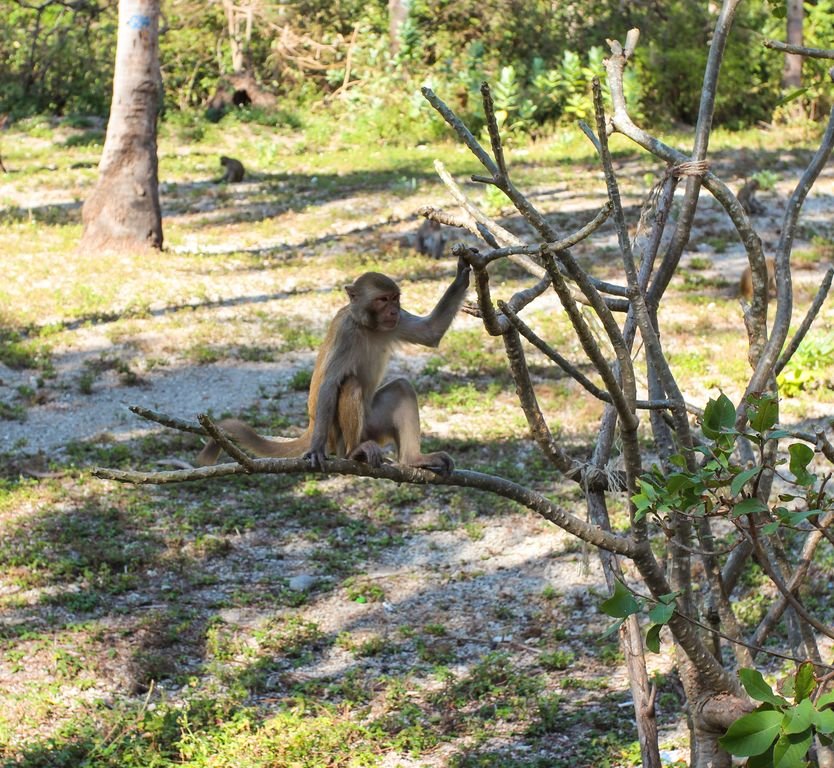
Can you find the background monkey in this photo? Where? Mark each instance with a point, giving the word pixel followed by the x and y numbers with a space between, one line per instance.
pixel 234 169
pixel 350 413
pixel 745 284
pixel 430 239
pixel 747 197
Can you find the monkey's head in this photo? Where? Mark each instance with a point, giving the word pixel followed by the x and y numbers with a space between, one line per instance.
pixel 224 160
pixel 375 301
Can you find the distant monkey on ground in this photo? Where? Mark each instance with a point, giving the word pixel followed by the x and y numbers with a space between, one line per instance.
pixel 745 284
pixel 350 413
pixel 430 239
pixel 747 197
pixel 234 170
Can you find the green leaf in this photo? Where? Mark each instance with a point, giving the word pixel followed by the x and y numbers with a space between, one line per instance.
pixel 748 507
pixel 753 733
pixel 791 748
pixel 661 613
pixel 764 412
pixel 824 721
pixel 804 683
pixel 653 639
pixel 825 700
pixel 758 689
pixel 770 528
pixel 621 603
pixel 612 629
pixel 679 480
pixel 795 518
pixel 799 718
pixel 801 456
pixel 719 414
pixel 793 94
pixel 740 480
pixel 764 760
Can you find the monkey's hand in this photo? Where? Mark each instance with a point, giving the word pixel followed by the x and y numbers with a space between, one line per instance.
pixel 463 271
pixel 316 458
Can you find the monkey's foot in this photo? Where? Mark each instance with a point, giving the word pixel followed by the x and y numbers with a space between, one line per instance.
pixel 439 462
pixel 368 452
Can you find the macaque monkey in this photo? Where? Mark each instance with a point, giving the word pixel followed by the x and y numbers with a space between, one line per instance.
pixel 745 284
pixel 350 413
pixel 430 239
pixel 747 197
pixel 234 170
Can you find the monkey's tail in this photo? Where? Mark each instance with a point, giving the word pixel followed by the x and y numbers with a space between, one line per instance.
pixel 257 444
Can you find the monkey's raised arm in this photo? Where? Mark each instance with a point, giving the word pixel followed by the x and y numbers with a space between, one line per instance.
pixel 429 330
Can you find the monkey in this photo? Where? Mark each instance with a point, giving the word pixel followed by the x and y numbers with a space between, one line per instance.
pixel 430 239
pixel 746 196
pixel 234 169
pixel 350 413
pixel 745 284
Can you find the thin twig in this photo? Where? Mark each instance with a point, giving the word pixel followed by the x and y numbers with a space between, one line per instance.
pixel 810 316
pixel 781 323
pixel 567 366
pixel 813 53
pixel 167 421
pixel 219 436
pixel 768 567
pixel 494 133
pixel 586 338
pixel 812 541
pixel 461 130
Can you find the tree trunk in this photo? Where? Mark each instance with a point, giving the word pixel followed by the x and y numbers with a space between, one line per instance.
pixel 123 210
pixel 239 21
pixel 397 14
pixel 792 72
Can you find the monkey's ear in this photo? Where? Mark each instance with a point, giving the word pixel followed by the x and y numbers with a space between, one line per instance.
pixel 351 291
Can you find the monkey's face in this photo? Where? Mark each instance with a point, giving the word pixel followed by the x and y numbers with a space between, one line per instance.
pixel 385 310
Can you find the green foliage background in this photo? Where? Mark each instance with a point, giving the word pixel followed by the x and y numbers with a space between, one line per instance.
pixel 58 58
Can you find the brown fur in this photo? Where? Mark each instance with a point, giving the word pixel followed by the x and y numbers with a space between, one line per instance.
pixel 350 413
pixel 745 284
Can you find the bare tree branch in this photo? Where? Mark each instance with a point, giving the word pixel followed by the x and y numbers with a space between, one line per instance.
pixel 568 367
pixel 808 320
pixel 784 298
pixel 167 421
pixel 396 473
pixel 225 443
pixel 770 569
pixel 813 53
pixel 776 610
